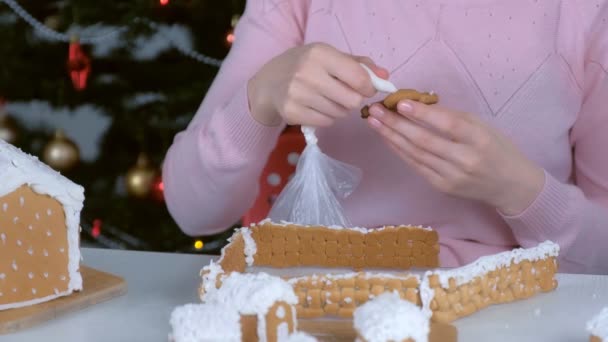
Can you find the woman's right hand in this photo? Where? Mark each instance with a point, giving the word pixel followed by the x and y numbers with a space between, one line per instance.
pixel 311 85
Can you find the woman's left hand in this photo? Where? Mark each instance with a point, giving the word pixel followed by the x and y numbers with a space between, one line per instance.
pixel 460 155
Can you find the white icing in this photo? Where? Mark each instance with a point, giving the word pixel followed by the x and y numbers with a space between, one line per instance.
pixel 49 212
pixel 19 243
pixel 14 265
pixel 203 322
pixel 18 168
pixel 30 251
pixel 598 325
pixel 299 337
pixel 37 216
pixel 21 201
pixel 30 275
pixel 348 300
pixel 252 294
pixel 30 227
pixel 250 245
pixel 390 318
pixel 61 250
pixel 33 301
pixel 2 275
pixel 46 274
pixel 48 233
pixel 4 207
pixel 34 291
pixel 357 229
pixel 489 263
pixel 3 237
pixel 45 252
pixel 15 219
pixel 537 312
pixel 282 331
pixel 280 312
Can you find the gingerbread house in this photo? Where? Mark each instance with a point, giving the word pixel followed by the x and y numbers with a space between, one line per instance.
pixel 39 231
pixel 448 294
pixel 597 327
pixel 390 318
pixel 265 304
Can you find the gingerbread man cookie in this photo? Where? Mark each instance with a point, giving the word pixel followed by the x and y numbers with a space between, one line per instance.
pixel 393 99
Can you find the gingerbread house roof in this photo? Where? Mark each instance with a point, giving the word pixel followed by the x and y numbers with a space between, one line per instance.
pixel 252 293
pixel 18 168
pixel 389 318
pixel 598 325
pixel 205 322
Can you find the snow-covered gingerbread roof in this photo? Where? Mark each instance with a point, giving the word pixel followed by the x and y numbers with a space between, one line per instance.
pixel 252 293
pixel 205 322
pixel 390 318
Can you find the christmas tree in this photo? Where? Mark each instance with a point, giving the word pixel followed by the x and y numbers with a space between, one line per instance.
pixel 99 89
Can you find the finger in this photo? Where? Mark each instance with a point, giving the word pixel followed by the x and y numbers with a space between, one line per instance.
pixel 428 173
pixel 419 136
pixel 437 164
pixel 449 123
pixel 306 116
pixel 326 106
pixel 378 70
pixel 348 70
pixel 336 91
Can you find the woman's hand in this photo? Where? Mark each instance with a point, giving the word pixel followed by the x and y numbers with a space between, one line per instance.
pixel 460 155
pixel 310 85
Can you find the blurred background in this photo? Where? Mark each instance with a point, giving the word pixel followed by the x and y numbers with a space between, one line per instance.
pixel 98 89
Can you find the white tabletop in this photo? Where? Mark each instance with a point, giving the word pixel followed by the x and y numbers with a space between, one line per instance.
pixel 158 282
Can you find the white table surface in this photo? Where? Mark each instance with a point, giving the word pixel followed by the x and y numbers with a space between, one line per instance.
pixel 158 282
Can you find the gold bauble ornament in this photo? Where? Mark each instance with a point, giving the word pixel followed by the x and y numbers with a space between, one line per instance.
pixel 8 129
pixel 140 178
pixel 61 153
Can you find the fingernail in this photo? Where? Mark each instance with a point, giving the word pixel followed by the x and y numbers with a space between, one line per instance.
pixel 374 122
pixel 375 111
pixel 405 107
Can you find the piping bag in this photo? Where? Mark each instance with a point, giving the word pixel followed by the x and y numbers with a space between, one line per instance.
pixel 314 195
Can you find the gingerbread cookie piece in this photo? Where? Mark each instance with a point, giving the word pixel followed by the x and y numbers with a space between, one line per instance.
pixel 393 99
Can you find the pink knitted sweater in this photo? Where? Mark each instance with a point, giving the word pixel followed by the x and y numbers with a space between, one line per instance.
pixel 535 69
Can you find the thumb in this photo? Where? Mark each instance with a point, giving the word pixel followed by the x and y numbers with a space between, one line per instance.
pixel 378 70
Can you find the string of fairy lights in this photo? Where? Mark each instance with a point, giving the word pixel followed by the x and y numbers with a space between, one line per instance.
pixel 112 237
pixel 66 38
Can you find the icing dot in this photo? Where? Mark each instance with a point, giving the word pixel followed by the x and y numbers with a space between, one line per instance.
pixel 274 179
pixel 56 291
pixel 45 253
pixel 5 207
pixel 19 242
pixel 21 201
pixel 14 265
pixel 2 275
pixel 30 227
pixel 348 300
pixel 49 212
pixel 30 275
pixel 292 158
pixel 0 294
pixel 15 219
pixel 61 250
pixel 48 233
pixel 62 277
pixel 37 216
pixel 45 274
pixel 34 291
pixel 3 237
pixel 30 251
pixel 14 289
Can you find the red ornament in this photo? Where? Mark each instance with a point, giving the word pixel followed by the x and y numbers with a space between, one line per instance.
pixel 230 37
pixel 79 65
pixel 96 231
pixel 164 2
pixel 158 189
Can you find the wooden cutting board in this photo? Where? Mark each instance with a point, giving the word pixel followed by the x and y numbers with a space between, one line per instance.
pixel 342 330
pixel 98 286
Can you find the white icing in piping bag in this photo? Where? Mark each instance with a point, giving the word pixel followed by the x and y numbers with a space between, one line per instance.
pixel 380 84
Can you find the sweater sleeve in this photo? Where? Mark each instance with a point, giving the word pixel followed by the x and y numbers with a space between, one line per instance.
pixel 212 168
pixel 576 215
